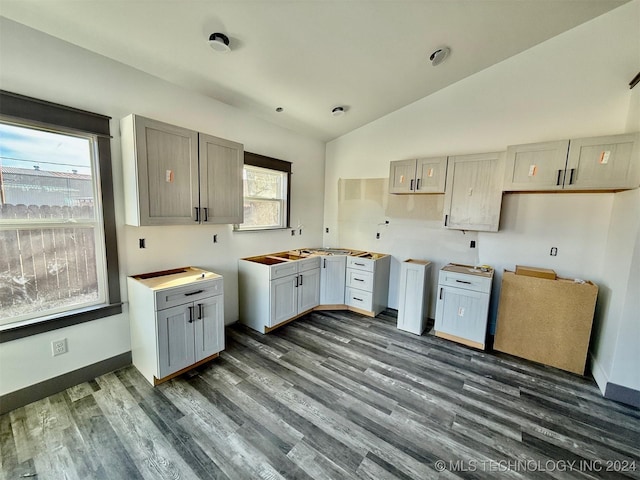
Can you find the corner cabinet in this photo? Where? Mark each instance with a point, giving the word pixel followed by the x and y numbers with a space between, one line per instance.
pixel 473 197
pixel 332 279
pixel 175 176
pixel 177 321
pixel 584 164
pixel 422 175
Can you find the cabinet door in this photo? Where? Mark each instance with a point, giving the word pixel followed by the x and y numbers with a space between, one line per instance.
pixel 473 197
pixel 412 314
pixel 175 339
pixel 603 163
pixel 536 166
pixel 462 313
pixel 284 299
pixel 167 161
pixel 431 174
pixel 221 164
pixel 402 176
pixel 308 290
pixel 332 280
pixel 209 327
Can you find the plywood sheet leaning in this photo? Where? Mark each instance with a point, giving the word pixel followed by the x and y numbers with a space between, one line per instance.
pixel 547 321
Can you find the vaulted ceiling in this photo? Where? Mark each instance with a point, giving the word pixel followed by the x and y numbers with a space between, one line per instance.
pixel 308 56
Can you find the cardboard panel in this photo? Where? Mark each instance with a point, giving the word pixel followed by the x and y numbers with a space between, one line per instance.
pixel 536 272
pixel 547 321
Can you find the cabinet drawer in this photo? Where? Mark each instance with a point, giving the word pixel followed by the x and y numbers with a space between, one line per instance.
pixel 360 279
pixel 359 299
pixel 308 264
pixel 283 269
pixel 468 282
pixel 360 263
pixel 171 297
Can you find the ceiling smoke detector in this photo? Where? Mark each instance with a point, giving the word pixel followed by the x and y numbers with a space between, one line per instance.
pixel 219 42
pixel 337 111
pixel 439 56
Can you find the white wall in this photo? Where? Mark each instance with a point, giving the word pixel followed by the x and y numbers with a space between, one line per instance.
pixel 574 85
pixel 34 64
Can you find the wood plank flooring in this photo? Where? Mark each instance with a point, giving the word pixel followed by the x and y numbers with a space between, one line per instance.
pixel 333 395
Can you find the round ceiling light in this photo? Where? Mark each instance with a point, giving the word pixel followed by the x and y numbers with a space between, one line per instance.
pixel 439 56
pixel 337 111
pixel 219 42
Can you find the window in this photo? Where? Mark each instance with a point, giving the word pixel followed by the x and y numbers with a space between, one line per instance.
pixel 58 263
pixel 266 183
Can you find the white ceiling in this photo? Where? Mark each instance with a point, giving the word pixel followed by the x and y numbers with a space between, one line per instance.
pixel 308 56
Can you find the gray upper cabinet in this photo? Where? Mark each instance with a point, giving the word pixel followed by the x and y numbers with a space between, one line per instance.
pixel 221 164
pixel 473 197
pixel 160 163
pixel 536 166
pixel 175 176
pixel 603 163
pixel 422 175
pixel 584 164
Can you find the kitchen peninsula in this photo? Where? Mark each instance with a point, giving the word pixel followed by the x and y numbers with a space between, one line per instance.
pixel 277 288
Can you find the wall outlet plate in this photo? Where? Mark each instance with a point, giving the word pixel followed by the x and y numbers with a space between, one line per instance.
pixel 58 347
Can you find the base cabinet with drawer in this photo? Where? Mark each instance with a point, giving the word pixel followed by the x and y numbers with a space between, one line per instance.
pixel 367 284
pixel 462 306
pixel 273 291
pixel 177 321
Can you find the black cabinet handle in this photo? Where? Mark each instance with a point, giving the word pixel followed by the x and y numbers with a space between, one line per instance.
pixel 359 264
pixel 417 185
pixel 206 214
pixel 440 296
pixel 200 311
pixel 325 263
pixel 573 170
pixel 191 314
pixel 300 280
pixel 411 185
pixel 297 281
pixel 558 180
pixel 463 281
pixel 359 299
pixel 446 219
pixel 358 280
pixel 193 293
pixel 197 214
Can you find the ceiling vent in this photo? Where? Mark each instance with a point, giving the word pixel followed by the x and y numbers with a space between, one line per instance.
pixel 439 56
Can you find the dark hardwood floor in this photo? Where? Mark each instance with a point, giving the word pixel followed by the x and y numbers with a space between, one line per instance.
pixel 331 395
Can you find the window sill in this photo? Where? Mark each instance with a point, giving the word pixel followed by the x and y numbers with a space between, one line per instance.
pixel 34 327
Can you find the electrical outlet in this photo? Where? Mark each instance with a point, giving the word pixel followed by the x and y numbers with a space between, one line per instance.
pixel 58 347
pixel 554 251
pixel 293 233
pixel 472 244
pixel 326 230
pixel 300 232
pixel 378 236
pixel 215 238
pixel 142 243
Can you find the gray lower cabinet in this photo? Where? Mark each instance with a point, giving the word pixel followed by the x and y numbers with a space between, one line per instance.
pixel 462 306
pixel 275 291
pixel 473 197
pixel 177 320
pixel 367 284
pixel 332 279
pixel 583 164
pixel 413 296
pixel 175 176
